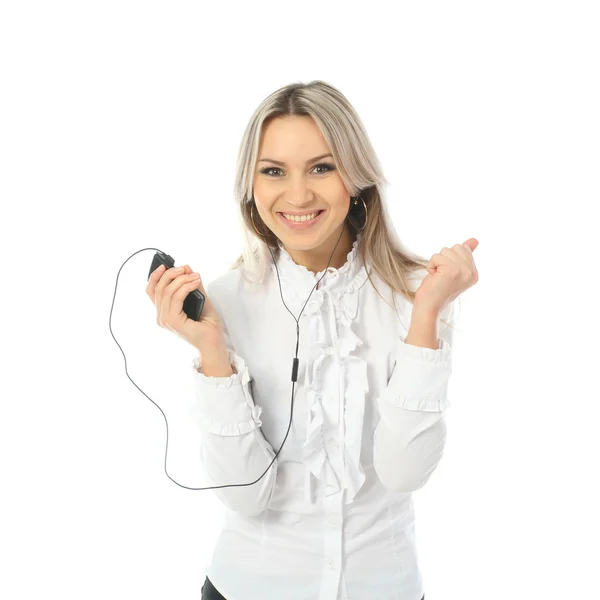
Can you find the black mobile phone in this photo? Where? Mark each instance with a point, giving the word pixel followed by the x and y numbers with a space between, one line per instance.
pixel 194 301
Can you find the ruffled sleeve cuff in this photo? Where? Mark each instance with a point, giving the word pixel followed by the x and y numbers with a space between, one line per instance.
pixel 224 405
pixel 420 378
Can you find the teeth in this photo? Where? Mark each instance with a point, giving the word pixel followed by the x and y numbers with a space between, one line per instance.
pixel 300 219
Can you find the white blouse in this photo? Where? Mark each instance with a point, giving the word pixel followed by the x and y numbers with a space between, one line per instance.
pixel 332 518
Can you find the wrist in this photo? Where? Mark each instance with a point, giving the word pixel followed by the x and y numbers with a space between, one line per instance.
pixel 425 312
pixel 212 340
pixel 423 328
pixel 214 362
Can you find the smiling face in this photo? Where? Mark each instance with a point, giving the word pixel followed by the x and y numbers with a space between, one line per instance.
pixel 293 176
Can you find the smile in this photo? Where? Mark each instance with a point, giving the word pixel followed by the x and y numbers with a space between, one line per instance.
pixel 303 222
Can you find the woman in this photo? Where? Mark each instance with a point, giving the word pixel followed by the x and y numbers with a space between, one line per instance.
pixel 318 480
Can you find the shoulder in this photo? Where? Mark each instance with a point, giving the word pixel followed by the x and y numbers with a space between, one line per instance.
pixel 225 283
pixel 232 292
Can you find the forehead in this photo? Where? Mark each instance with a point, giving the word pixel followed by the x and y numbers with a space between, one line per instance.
pixel 295 137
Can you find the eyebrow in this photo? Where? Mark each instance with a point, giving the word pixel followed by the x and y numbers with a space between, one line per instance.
pixel 277 162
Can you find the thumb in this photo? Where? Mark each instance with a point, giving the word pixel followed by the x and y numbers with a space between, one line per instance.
pixel 471 244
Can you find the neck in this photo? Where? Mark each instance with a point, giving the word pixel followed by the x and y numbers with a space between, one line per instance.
pixel 316 259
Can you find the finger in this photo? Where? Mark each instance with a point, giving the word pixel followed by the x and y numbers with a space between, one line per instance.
pixel 457 255
pixel 166 278
pixel 466 254
pixel 156 283
pixel 440 260
pixel 182 292
pixel 474 243
pixel 457 260
pixel 153 280
pixel 180 295
pixel 170 302
pixel 157 297
pixel 453 257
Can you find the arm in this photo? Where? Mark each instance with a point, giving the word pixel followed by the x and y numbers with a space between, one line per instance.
pixel 215 363
pixel 233 448
pixel 410 437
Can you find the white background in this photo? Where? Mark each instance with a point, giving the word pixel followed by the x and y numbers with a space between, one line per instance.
pixel 120 124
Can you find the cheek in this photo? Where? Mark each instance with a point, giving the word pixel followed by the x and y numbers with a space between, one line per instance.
pixel 264 203
pixel 338 191
pixel 263 189
pixel 262 195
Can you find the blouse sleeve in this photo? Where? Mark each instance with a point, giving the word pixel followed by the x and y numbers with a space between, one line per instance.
pixel 410 437
pixel 233 447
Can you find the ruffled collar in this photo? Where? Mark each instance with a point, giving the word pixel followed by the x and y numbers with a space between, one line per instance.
pixel 299 281
pixel 335 302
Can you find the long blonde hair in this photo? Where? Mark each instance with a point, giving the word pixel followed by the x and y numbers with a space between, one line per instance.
pixel 358 167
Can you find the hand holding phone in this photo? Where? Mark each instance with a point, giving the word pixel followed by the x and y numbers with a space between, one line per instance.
pixel 182 304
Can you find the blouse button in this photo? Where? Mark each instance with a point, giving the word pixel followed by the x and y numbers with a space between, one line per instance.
pixel 329 351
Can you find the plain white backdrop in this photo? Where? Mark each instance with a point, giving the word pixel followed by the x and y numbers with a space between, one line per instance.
pixel 119 129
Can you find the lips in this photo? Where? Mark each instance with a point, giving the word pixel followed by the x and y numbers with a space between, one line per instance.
pixel 310 212
pixel 302 225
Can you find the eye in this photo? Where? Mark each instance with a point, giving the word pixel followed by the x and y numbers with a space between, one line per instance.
pixel 327 166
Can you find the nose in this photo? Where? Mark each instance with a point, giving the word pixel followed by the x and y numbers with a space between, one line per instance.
pixel 299 193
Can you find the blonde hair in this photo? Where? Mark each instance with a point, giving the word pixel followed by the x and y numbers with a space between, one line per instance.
pixel 358 167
